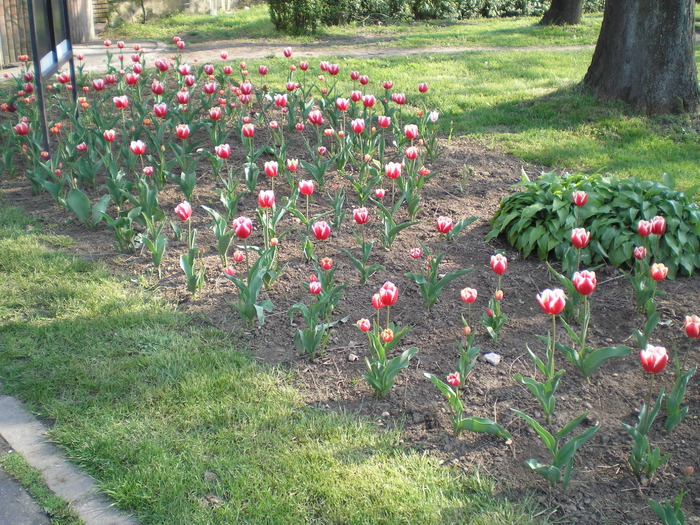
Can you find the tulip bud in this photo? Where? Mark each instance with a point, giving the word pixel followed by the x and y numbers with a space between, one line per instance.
pixel 692 326
pixel 364 324
pixel 388 335
pixel 454 379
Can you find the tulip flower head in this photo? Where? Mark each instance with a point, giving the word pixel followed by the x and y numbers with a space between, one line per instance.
pixel 248 130
pixel 389 293
pixel 640 253
pixel 388 335
pixel 287 52
pixel 292 164
pixel 658 271
pixel 644 228
pixel 415 253
pixel 393 170
pixel 377 302
pixel 358 125
pixel 326 263
pixel 184 210
pixel 692 326
pixel 443 225
pixel 242 227
pixel 383 121
pixel 137 147
pixel 579 197
pixel 22 129
pixel 379 193
pixel 364 324
pixel 653 359
pixel 315 117
pixel 321 230
pixel 315 287
pixel 552 302
pixel 499 264
pixel 422 87
pixel 271 168
pixel 109 135
pixel 580 238
pixel 306 187
pixel 182 131
pixel 468 295
pixel 238 256
pixel 121 102
pixel 453 379
pixel 411 131
pixel 223 151
pixel 584 282
pixel 658 225
pixel 266 198
pixel 360 215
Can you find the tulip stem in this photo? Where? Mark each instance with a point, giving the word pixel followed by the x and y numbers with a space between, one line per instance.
pixel 388 308
pixel 245 252
pixel 552 346
pixel 651 386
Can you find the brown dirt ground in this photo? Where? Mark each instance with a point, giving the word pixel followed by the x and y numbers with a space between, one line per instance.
pixel 603 488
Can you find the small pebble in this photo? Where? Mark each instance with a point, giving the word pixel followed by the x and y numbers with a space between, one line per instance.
pixel 385 414
pixel 492 358
pixel 352 358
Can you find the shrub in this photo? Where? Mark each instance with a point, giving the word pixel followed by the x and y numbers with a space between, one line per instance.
pixel 540 218
pixel 295 16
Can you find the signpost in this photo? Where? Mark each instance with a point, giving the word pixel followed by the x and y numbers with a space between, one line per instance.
pixel 51 48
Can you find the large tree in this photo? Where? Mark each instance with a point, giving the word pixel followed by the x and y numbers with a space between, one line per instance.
pixel 645 56
pixel 563 12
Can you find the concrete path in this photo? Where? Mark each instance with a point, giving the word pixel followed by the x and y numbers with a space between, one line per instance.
pixel 27 436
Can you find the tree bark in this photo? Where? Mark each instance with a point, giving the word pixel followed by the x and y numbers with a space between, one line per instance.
pixel 81 21
pixel 563 12
pixel 645 56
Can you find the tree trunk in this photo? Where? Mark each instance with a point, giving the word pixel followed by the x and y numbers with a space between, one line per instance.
pixel 645 56
pixel 563 12
pixel 81 21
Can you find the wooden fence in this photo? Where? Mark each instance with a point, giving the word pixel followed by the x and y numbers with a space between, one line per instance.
pixel 14 27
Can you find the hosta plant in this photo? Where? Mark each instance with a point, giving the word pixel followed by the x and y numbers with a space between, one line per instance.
pixel 539 219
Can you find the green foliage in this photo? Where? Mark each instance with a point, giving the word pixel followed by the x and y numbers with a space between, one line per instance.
pixel 248 306
pixel 382 371
pixel 674 411
pixel 669 512
pixel 539 219
pixel 295 16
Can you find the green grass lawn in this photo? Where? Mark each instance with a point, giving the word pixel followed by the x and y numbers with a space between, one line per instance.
pixel 527 102
pixel 254 24
pixel 180 426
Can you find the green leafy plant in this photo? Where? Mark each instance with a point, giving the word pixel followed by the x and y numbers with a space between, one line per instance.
pixel 389 229
pixel 194 273
pixel 224 236
pixel 644 459
pixel 539 219
pixel 560 469
pixel 669 512
pixel 543 392
pixel 365 269
pixel 249 306
pixel 89 214
pixel 155 241
pixel 459 421
pixel 675 413
pixel 382 371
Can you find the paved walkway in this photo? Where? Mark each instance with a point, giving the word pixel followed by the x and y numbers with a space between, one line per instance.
pixel 27 436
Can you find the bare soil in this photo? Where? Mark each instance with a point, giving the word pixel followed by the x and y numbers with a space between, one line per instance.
pixel 603 488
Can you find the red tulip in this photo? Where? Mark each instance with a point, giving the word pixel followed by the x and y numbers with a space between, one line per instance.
pixel 369 101
pixel 299 126
pixel 266 198
pixel 640 252
pixel 387 84
pixel 248 130
pixel 499 264
pixel 98 84
pixel 148 170
pixel 306 187
pixel 238 256
pixel 658 271
pixel 342 103
pixel 644 228
pixel 388 335
pixel 22 128
pixel 377 302
pixel 411 153
pixel 326 263
pixel 383 121
pixel 180 44
pixel 280 100
pixel 333 69
pixel 223 151
pixel 379 193
pixel 358 125
pixel 658 225
pixel 393 170
pixel 552 301
pixel 292 164
pixel 121 102
pixel 580 237
pixel 110 135
pixel 246 88
pixel 162 64
pixel 230 271
pixel 579 197
pixel 63 78
pixel 110 79
pixel 215 113
pixel 454 379
pixel 354 75
pixel 322 150
pixel 209 88
pixel 411 131
pixel 315 287
pixel 415 253
pixel 271 168
pixel 443 224
pixel 184 210
pixel 361 215
pixel 692 326
pixel 182 131
pixel 398 98
pixel 468 295
pixel 242 227
pixel 183 97
pixel 132 79
pixel 321 230
pixel 364 80
pixel 303 65
pixel 228 70
pixel 157 88
pixel 190 80
pixel 654 359
pixel 287 52
pixel 584 282
pixel 81 147
pixel 498 295
pixel 422 87
pixel 137 147
pixel 389 293
pixel 316 117
pixel 364 324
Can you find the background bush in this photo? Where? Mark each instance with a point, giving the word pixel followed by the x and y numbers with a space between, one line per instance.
pixel 539 220
pixel 301 16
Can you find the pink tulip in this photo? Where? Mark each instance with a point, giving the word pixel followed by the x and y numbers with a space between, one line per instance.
pixel 280 100
pixel 422 87
pixel 411 131
pixel 379 193
pixel 215 113
pixel 454 379
pixel 137 147
pixel 109 135
pixel 182 131
pixel 354 75
pixel 364 324
pixel 468 295
pixel 499 264
pixel 22 129
pixel 223 151
pixel 184 210
pixel 271 168
pixel 364 80
pixel 358 125
pixel 326 263
pixel 342 104
pixel 640 253
pixel 369 101
pixel 333 69
pixel 377 302
pixel 580 237
pixel 238 256
pixel 411 153
pixel 292 164
pixel 321 230
pixel 121 102
pixel 287 52
pixel 658 271
pixel 443 224
pixel 658 225
pixel 266 198
pixel 316 117
pixel 398 98
pixel 415 253
pixel 387 335
pixel 384 121
pixel 361 215
pixel 389 293
pixel 183 97
pixel 98 84
pixel 579 197
pixel 644 228
pixel 248 130
pixel 393 170
pixel 692 326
